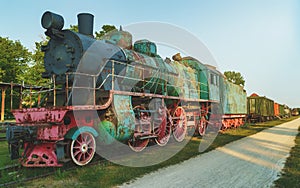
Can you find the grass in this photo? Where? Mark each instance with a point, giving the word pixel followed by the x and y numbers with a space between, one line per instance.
pixel 107 174
pixel 291 172
pixel 2 131
pixel 4 156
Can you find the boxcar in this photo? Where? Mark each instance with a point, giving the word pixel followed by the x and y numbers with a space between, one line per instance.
pixel 281 110
pixel 259 108
pixel 295 112
pixel 276 110
pixel 287 111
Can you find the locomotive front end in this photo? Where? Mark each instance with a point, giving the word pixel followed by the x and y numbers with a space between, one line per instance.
pixel 46 132
pixel 65 47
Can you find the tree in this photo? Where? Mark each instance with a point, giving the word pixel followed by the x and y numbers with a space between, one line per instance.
pixel 74 28
pixel 105 29
pixel 235 77
pixel 33 75
pixel 13 60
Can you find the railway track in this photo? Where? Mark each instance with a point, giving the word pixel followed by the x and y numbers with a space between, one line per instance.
pixel 10 168
pixel 15 170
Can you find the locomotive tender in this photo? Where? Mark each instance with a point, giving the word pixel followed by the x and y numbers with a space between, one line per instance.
pixel 112 87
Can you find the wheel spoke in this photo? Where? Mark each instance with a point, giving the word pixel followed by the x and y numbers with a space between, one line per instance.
pixel 89 141
pixel 79 156
pixel 83 148
pixel 77 152
pixel 89 152
pixel 78 142
pixel 163 128
pixel 202 126
pixel 86 138
pixel 180 125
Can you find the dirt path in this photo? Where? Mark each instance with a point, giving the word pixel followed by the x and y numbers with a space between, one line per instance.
pixel 254 161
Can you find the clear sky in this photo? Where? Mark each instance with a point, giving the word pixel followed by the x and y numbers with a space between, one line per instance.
pixel 259 38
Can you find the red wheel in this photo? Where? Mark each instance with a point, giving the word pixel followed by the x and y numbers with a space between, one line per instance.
pixel 163 130
pixel 138 145
pixel 179 124
pixel 142 125
pixel 202 126
pixel 83 149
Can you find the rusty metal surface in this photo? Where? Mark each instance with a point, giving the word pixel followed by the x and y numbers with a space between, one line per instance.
pixel 202 75
pixel 159 77
pixel 260 105
pixel 148 61
pixel 39 115
pixel 186 83
pixel 125 115
pixel 107 132
pixel 145 47
pixel 281 110
pixel 40 155
pixel 120 38
pixel 214 83
pixel 235 99
pixel 276 109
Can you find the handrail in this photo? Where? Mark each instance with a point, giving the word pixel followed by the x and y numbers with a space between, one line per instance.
pixel 142 79
pixel 157 73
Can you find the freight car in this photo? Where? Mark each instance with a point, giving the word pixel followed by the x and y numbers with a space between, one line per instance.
pixel 111 87
pixel 259 108
pixel 287 111
pixel 295 112
pixel 279 110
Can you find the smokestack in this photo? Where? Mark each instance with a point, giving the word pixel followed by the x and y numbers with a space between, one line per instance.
pixel 85 24
pixel 51 20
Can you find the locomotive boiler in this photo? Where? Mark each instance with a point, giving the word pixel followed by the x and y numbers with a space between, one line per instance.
pixel 111 87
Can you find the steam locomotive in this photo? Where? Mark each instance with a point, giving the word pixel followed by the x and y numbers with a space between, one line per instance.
pixel 120 89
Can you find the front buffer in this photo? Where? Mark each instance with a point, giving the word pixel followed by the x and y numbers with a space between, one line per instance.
pixel 51 141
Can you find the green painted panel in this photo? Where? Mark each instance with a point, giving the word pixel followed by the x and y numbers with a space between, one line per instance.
pixel 107 132
pixel 186 83
pixel 126 119
pixel 260 105
pixel 146 47
pixel 186 78
pixel 235 99
pixel 213 84
pixel 281 109
pixel 201 74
